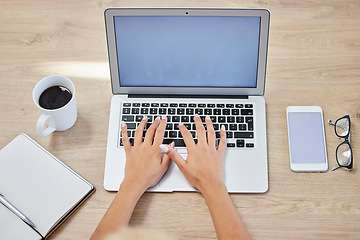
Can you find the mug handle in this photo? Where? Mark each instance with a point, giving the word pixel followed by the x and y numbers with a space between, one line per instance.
pixel 41 123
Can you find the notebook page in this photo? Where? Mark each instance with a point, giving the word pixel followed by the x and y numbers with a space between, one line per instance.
pixel 12 227
pixel 37 184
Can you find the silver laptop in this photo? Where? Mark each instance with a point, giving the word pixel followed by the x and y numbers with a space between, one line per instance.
pixel 181 62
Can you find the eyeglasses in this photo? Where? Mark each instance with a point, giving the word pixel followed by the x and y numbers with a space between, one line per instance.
pixel 344 156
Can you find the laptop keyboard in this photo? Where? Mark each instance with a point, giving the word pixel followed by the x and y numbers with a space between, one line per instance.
pixel 237 119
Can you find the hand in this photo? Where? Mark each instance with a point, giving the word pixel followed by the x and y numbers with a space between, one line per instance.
pixel 203 167
pixel 144 166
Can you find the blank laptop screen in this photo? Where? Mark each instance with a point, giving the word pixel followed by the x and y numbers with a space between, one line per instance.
pixel 187 51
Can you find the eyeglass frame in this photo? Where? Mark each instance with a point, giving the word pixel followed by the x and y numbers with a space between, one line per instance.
pixel 346 141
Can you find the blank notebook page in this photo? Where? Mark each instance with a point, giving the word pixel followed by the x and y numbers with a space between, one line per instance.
pixel 38 184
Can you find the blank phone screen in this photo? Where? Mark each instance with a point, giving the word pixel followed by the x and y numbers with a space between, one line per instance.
pixel 306 137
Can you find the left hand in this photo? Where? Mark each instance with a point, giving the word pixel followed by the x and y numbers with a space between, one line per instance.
pixel 144 166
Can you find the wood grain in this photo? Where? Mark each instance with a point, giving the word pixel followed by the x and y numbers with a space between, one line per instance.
pixel 314 59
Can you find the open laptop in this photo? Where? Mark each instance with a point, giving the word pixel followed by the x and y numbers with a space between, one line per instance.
pixel 181 62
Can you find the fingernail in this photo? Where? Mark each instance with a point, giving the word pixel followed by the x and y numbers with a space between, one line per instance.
pixel 163 117
pixel 181 123
pixel 164 148
pixel 196 115
pixel 222 128
pixel 145 117
pixel 157 118
pixel 208 117
pixel 172 144
pixel 123 124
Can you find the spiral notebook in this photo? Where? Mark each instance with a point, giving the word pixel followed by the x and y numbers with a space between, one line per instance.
pixel 37 191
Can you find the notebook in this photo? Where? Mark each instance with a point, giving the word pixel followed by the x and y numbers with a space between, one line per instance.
pixel 40 187
pixel 180 62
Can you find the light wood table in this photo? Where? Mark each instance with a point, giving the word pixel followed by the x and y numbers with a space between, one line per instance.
pixel 314 59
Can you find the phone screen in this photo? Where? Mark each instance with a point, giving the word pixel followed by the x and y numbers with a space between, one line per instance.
pixel 306 137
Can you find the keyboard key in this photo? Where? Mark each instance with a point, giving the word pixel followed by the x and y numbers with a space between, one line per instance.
pixel 221 119
pixel 248 105
pixel 185 118
pixel 173 104
pixel 217 111
pixel 188 126
pixel 249 145
pixel 246 112
pixel 231 119
pixel 233 127
pixel 240 119
pixel 229 134
pixel 182 105
pixel 192 105
pixel 235 111
pixel 208 111
pixel 154 105
pixel 211 105
pixel 171 111
pixel 189 111
pixel 172 134
pixel 126 111
pixel 242 127
pixel 181 111
pixel 126 104
pixel 220 105
pixel 230 105
pixel 128 118
pixel 178 142
pixel 175 119
pixel 135 111
pixel 164 105
pixel 169 126
pixel 144 111
pixel 201 105
pixel 131 125
pixel 240 143
pixel 243 135
pixel 136 104
pixel 231 145
pixel 153 111
pixel 145 104
pixel 213 119
pixel 199 111
pixel 239 105
pixel 139 118
pixel 162 110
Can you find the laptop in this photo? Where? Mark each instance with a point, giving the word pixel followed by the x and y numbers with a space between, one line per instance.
pixel 180 62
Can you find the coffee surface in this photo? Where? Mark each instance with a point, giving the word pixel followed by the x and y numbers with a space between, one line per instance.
pixel 55 97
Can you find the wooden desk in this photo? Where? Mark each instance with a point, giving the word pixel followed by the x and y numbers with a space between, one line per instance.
pixel 314 59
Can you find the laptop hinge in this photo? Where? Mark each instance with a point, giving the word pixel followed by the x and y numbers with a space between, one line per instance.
pixel 187 96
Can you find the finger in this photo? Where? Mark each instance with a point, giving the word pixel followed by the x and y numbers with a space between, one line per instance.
pixel 125 137
pixel 200 130
pixel 222 143
pixel 140 131
pixel 160 131
pixel 149 137
pixel 188 139
pixel 166 159
pixel 174 155
pixel 210 132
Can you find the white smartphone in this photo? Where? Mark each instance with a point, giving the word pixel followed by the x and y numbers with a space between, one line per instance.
pixel 306 135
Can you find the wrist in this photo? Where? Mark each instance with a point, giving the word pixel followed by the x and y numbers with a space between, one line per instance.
pixel 211 188
pixel 132 187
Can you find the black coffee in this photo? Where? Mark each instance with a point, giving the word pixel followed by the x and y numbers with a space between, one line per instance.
pixel 55 97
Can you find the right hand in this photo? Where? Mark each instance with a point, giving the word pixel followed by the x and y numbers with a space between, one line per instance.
pixel 203 167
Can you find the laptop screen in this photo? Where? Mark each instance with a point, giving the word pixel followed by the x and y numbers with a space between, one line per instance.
pixel 187 51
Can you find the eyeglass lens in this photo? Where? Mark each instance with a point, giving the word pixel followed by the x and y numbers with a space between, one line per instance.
pixel 342 127
pixel 344 154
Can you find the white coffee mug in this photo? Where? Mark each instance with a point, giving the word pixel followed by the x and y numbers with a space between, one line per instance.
pixel 59 119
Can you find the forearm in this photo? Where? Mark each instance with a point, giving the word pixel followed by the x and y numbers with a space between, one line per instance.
pixel 120 211
pixel 227 222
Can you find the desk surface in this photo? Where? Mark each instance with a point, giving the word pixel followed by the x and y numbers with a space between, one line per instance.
pixel 314 59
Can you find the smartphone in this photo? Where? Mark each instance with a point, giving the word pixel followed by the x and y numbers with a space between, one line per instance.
pixel 306 136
